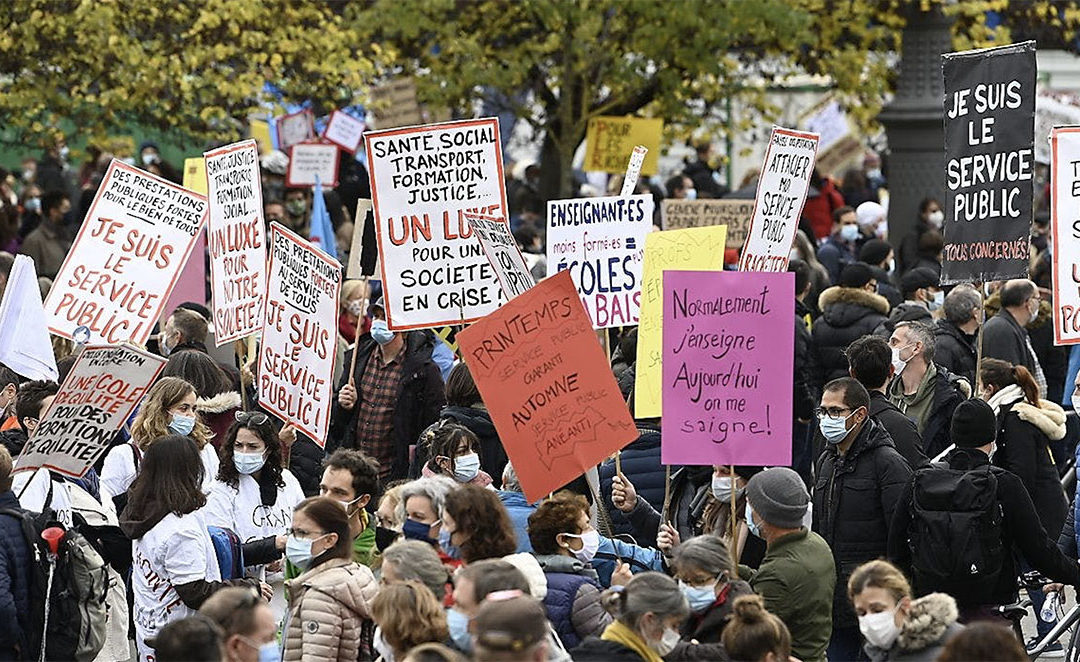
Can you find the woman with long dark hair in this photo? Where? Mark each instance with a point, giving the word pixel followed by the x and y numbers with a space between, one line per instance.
pixel 175 568
pixel 215 399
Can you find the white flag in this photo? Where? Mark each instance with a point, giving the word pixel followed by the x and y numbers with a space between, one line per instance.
pixel 25 346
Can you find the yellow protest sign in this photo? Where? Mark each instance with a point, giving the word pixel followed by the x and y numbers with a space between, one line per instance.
pixel 195 174
pixel 609 141
pixel 260 131
pixel 692 249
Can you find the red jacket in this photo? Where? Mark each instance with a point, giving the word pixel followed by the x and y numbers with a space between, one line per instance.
pixel 819 209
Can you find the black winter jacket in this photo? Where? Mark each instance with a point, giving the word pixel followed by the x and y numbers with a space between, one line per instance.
pixel 305 463
pixel 854 499
pixel 478 421
pixel 954 350
pixel 949 391
pixel 642 467
pixel 1004 339
pixel 904 432
pixel 847 314
pixel 805 381
pixel 420 400
pixel 15 560
pixel 885 286
pixel 905 312
pixel 1021 532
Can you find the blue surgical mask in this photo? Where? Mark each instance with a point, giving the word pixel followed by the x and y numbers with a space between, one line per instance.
pixel 248 463
pixel 449 548
pixel 268 652
pixel 699 597
pixel 458 624
pixel 466 467
pixel 754 527
pixel 834 429
pixel 380 332
pixel 691 194
pixel 298 551
pixel 33 205
pixel 181 425
pixel 849 232
pixel 414 530
pixel 937 301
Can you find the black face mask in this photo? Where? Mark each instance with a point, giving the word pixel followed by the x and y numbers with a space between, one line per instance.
pixel 385 537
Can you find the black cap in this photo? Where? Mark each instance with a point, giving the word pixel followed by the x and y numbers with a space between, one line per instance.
pixel 973 424
pixel 856 274
pixel 874 251
pixel 918 278
pixel 378 304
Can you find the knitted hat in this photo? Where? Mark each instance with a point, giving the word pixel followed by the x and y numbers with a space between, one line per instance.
pixel 875 251
pixel 779 497
pixel 869 213
pixel 973 424
pixel 856 274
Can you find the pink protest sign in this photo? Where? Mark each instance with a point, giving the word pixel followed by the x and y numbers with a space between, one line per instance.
pixel 728 352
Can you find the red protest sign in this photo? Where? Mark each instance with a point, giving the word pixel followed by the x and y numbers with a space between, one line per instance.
pixel 546 382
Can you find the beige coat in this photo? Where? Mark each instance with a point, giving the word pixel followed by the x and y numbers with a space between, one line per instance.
pixel 327 607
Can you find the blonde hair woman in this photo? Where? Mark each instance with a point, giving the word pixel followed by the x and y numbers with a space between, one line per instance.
pixel 168 408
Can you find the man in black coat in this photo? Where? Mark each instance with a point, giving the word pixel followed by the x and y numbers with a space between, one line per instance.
pixel 973 430
pixel 871 364
pixel 860 476
pixel 1004 335
pixel 395 392
pixel 921 296
pixel 805 383
pixel 954 336
pixel 849 311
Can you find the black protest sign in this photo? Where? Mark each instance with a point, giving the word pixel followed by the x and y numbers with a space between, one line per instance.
pixel 989 153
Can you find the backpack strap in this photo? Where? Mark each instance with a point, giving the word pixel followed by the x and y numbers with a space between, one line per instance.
pixel 136 454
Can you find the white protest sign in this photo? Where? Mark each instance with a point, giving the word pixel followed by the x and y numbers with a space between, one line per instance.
pixel 1052 110
pixel 502 252
pixel 345 131
pixel 633 170
pixel 237 236
pixel 25 345
pixel 354 269
pixel 423 179
pixel 99 394
pixel 781 193
pixel 127 256
pixel 602 242
pixel 296 355
pixel 310 160
pixel 295 128
pixel 1065 224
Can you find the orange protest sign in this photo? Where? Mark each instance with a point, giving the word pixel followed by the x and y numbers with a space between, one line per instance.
pixel 547 384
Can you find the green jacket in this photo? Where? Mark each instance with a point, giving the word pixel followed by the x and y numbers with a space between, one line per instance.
pixel 796 579
pixel 364 552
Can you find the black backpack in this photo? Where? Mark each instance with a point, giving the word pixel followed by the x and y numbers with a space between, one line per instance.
pixel 956 531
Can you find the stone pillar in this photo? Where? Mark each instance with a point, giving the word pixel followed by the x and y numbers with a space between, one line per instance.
pixel 914 122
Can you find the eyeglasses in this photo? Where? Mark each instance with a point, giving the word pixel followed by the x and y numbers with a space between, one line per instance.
pixel 831 412
pixel 253 417
pixel 301 533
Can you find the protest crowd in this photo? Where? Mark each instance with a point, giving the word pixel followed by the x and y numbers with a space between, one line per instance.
pixel 329 463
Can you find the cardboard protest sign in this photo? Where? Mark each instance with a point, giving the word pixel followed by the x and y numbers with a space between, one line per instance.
pixel 237 235
pixel 345 131
pixel 1065 224
pixel 296 354
pixel 423 179
pixel 195 174
pixel 294 129
pixel 546 382
pixel 735 214
pixel 781 193
pixel 502 252
pixel 698 249
pixel 260 133
pixel 728 353
pixel 313 160
pixel 989 156
pixel 354 269
pixel 25 345
pixel 609 139
pixel 394 104
pixel 601 242
pixel 125 260
pixel 102 389
pixel 633 170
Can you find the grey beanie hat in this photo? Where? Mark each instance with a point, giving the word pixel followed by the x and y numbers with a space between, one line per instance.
pixel 779 497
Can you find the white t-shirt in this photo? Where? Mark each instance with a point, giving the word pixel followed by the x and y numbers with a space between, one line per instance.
pixel 32 490
pixel 242 510
pixel 118 471
pixel 178 550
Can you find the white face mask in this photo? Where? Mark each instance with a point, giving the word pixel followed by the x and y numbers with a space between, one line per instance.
pixel 794 254
pixel 590 543
pixel 898 363
pixel 880 629
pixel 936 218
pixel 1076 400
pixel 667 642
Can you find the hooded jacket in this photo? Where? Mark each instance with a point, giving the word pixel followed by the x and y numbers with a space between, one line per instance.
pixel 1023 440
pixel 572 602
pixel 327 607
pixel 218 413
pixel 492 456
pixel 854 499
pixel 954 350
pixel 928 626
pixel 847 314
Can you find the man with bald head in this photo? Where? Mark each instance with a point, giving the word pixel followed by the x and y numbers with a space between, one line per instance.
pixel 1005 336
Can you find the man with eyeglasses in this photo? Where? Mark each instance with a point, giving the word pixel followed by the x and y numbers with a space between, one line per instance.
pixel 1005 336
pixel 860 476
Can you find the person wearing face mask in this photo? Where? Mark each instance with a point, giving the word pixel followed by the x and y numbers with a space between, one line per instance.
pixel 931 219
pixel 922 296
pixel 797 577
pixel 351 318
pixel 395 393
pixel 703 568
pixel 894 625
pixel 860 475
pixel 922 390
pixel 1004 335
pixel 648 613
pixel 352 479
pixel 330 602
pixel 473 585
pixel 253 495
pixel 879 254
pixel 247 622
pixel 842 245
pixel 48 244
pixel 680 187
pixel 976 516
pixel 421 502
pixel 872 222
pixel 956 332
pixel 454 452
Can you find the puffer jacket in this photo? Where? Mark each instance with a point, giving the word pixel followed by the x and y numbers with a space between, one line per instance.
pixel 328 606
pixel 573 599
pixel 15 572
pixel 641 465
pixel 954 350
pixel 1024 436
pixel 218 413
pixel 854 499
pixel 847 314
pixel 928 626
